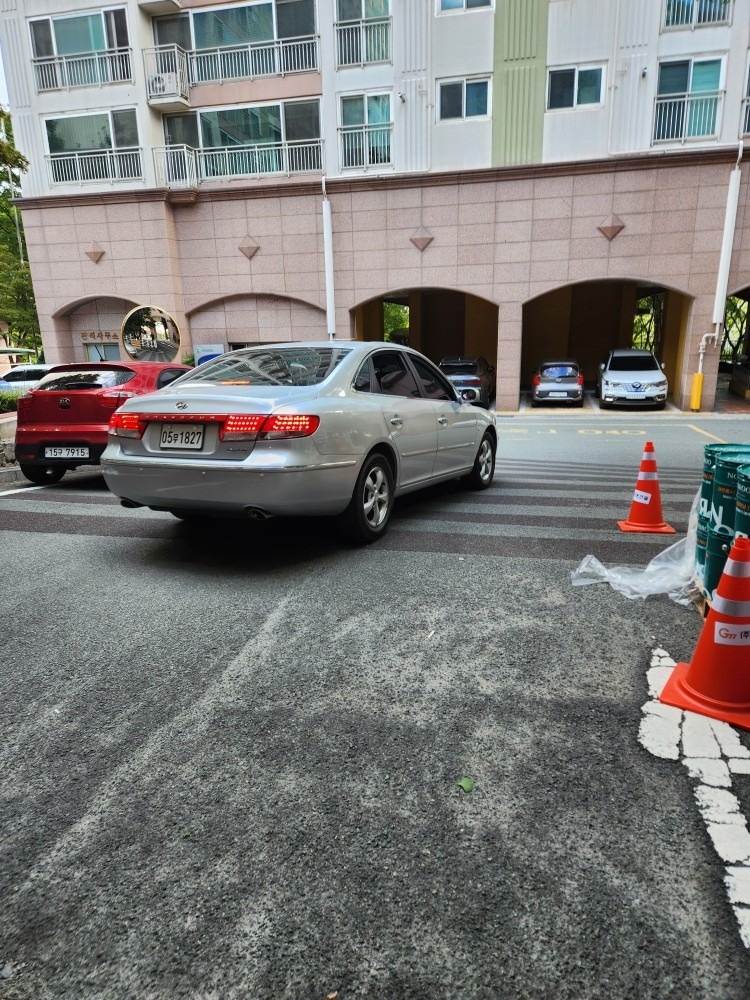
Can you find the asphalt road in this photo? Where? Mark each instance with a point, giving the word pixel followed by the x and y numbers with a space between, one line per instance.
pixel 229 763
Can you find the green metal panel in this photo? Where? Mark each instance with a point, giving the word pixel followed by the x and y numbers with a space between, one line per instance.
pixel 519 81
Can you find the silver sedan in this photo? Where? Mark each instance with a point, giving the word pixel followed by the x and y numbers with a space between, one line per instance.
pixel 328 428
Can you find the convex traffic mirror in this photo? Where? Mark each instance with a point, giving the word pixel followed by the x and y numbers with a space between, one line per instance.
pixel 149 334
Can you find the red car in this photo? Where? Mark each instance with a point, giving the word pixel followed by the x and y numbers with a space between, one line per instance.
pixel 63 421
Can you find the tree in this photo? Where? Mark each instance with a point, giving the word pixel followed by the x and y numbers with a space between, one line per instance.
pixel 17 303
pixel 395 318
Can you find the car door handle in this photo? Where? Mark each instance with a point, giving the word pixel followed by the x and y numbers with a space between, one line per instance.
pixel 396 421
pixel 442 420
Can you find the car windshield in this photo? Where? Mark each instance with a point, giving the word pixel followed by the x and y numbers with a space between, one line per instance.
pixel 459 368
pixel 281 366
pixel 558 371
pixel 634 363
pixel 86 378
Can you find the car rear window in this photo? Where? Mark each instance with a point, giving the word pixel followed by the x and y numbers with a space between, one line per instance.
pixel 86 378
pixel 460 368
pixel 23 374
pixel 559 371
pixel 636 363
pixel 298 365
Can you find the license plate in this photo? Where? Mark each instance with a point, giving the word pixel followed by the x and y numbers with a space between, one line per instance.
pixel 66 451
pixel 635 395
pixel 181 436
pixel 559 395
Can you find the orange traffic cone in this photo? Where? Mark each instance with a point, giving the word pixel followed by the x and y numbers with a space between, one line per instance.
pixel 645 510
pixel 717 681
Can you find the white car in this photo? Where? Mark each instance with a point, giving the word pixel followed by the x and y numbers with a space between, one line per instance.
pixel 22 377
pixel 329 428
pixel 631 377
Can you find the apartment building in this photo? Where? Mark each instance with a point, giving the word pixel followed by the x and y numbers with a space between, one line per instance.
pixel 520 173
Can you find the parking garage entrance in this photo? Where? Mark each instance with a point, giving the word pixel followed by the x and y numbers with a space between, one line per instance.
pixel 436 321
pixel 586 320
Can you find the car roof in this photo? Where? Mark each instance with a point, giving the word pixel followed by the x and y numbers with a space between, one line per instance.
pixel 558 361
pixel 628 351
pixel 115 366
pixel 461 358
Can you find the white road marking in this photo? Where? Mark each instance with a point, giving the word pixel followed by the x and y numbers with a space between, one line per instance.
pixel 711 752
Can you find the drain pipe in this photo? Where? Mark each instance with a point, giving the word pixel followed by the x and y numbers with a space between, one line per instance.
pixel 328 262
pixel 722 281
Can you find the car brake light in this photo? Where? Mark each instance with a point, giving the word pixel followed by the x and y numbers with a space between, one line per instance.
pixel 580 379
pixel 112 399
pixel 129 425
pixel 537 380
pixel 241 427
pixel 289 425
pixel 23 402
pixel 471 380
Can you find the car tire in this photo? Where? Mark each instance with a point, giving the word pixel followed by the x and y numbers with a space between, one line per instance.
pixel 43 475
pixel 579 402
pixel 604 406
pixel 369 511
pixel 483 471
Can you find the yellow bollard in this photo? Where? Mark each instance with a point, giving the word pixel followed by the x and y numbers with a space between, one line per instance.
pixel 697 392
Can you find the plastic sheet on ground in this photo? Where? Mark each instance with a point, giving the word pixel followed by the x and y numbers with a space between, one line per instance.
pixel 671 572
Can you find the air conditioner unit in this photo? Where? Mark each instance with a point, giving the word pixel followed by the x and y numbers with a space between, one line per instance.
pixel 163 84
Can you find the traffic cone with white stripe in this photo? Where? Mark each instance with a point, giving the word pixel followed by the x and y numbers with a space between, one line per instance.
pixel 717 680
pixel 645 510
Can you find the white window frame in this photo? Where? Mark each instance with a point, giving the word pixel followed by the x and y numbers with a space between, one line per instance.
pixel 364 94
pixel 281 102
pixel 575 106
pixel 463 9
pixel 484 78
pixel 101 11
pixel 92 113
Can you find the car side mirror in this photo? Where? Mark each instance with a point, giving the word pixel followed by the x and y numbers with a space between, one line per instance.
pixel 601 367
pixel 662 365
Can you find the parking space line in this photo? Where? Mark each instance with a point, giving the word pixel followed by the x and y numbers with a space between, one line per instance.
pixel 699 430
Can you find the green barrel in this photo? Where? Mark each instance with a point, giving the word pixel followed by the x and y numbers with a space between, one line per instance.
pixel 717 550
pixel 710 453
pixel 701 541
pixel 742 503
pixel 724 493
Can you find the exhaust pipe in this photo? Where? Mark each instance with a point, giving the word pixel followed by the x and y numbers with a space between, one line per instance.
pixel 130 504
pixel 257 514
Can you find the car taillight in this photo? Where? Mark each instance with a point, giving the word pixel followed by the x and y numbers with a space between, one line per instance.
pixel 537 380
pixel 471 380
pixel 127 425
pixel 580 379
pixel 288 425
pixel 254 426
pixel 23 402
pixel 112 399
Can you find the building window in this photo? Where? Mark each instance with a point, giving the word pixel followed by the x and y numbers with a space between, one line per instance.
pixel 81 51
pixel 574 87
pixel 102 352
pixel 688 99
pixel 365 133
pixel 236 142
pixel 695 13
pixel 463 4
pixel 363 32
pixel 96 147
pixel 459 99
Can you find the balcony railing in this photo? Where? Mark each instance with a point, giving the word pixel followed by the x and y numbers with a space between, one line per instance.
pixel 96 166
pixel 182 166
pixel 360 42
pixel 365 146
pixel 166 74
pixel 696 13
pixel 246 62
pixel 682 117
pixel 91 69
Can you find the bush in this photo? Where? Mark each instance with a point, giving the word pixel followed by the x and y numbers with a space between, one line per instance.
pixel 8 401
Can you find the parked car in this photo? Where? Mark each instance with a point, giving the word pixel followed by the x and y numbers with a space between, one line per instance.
pixel 557 380
pixel 62 422
pixel 299 429
pixel 22 377
pixel 631 377
pixel 473 377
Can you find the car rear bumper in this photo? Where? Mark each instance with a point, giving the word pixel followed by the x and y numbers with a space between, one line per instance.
pixel 34 453
pixel 563 395
pixel 207 488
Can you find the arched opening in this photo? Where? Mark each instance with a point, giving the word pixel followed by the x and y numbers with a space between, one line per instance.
pixel 734 360
pixel 90 330
pixel 584 321
pixel 439 322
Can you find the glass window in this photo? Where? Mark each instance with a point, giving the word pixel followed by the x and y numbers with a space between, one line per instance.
pixel 173 31
pixel 463 4
pixel 361 10
pixel 363 380
pixel 392 375
pixel 301 120
pixel 240 25
pixel 573 87
pixel 88 378
pixel 294 365
pixel 83 132
pixel 182 130
pixel 295 18
pixel 463 99
pixel 433 384
pixel 102 352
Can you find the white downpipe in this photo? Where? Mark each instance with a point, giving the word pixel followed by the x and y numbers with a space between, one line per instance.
pixel 727 241
pixel 328 261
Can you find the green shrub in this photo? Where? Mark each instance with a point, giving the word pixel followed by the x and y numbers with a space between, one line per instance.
pixel 8 401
